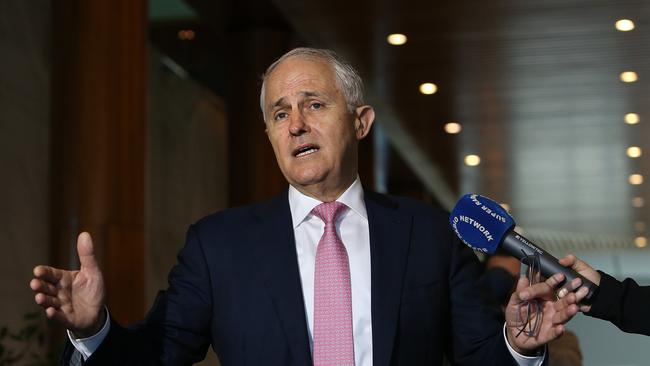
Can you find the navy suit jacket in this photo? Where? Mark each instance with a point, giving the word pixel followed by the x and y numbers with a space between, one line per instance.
pixel 237 287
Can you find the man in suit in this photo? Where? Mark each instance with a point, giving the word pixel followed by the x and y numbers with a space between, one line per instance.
pixel 327 273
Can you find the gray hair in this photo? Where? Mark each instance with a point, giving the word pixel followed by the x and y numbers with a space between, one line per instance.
pixel 347 78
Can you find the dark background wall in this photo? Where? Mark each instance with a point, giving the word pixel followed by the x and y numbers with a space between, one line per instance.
pixel 24 152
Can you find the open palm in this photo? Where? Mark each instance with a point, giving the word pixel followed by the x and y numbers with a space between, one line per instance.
pixel 75 299
pixel 539 327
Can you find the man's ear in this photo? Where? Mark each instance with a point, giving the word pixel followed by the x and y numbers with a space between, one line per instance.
pixel 364 118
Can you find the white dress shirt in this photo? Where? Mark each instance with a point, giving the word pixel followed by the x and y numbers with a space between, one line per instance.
pixel 352 227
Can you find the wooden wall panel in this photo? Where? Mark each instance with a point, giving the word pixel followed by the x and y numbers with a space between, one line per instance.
pixel 98 140
pixel 254 172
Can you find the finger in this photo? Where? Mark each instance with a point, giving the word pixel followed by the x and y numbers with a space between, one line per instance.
pixel 543 289
pixel 522 284
pixel 585 308
pixel 554 280
pixel 565 308
pixel 575 263
pixel 86 251
pixel 58 316
pixel 558 330
pixel 44 287
pixel 47 273
pixel 581 294
pixel 568 261
pixel 565 314
pixel 50 312
pixel 47 301
pixel 564 302
pixel 569 287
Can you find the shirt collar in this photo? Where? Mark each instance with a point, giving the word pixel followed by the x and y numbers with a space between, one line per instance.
pixel 301 205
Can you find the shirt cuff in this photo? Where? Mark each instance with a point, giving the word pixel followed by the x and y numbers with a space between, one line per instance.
pixel 521 359
pixel 86 346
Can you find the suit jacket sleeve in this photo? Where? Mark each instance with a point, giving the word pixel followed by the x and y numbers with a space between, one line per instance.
pixel 477 327
pixel 625 304
pixel 176 330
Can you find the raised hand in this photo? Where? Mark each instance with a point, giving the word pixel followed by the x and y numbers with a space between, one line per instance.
pixel 554 313
pixel 75 299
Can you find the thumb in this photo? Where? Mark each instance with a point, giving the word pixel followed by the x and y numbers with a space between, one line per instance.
pixel 516 296
pixel 86 251
pixel 569 260
pixel 522 283
pixel 575 263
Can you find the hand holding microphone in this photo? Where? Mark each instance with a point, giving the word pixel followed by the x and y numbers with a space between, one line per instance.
pixel 571 261
pixel 624 303
pixel 534 315
pixel 486 227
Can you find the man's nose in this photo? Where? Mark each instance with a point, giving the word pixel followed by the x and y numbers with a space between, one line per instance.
pixel 298 125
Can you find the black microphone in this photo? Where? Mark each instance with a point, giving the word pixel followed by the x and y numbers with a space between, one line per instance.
pixel 485 226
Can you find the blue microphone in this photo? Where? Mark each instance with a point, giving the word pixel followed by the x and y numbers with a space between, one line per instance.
pixel 486 227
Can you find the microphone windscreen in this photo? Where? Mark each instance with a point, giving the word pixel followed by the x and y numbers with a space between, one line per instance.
pixel 480 222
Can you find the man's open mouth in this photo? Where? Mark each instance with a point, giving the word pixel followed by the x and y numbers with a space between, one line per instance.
pixel 305 150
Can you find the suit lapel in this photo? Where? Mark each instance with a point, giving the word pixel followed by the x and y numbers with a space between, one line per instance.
pixel 389 244
pixel 275 252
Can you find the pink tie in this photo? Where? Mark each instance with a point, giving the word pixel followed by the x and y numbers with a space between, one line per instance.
pixel 333 342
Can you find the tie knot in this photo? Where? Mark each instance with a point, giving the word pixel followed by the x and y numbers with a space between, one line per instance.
pixel 329 211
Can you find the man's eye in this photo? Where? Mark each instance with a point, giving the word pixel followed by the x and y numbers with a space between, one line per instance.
pixel 280 115
pixel 316 105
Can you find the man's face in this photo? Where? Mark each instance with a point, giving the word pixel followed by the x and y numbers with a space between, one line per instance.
pixel 313 134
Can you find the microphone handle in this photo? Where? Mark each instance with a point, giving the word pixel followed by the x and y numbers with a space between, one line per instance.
pixel 519 247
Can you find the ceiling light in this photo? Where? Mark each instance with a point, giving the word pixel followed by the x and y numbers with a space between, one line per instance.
pixel 640 241
pixel 638 202
pixel 636 179
pixel 472 160
pixel 453 128
pixel 639 226
pixel 396 39
pixel 634 151
pixel 186 34
pixel 629 76
pixel 428 88
pixel 632 118
pixel 624 25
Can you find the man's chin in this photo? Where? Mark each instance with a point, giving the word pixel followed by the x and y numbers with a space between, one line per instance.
pixel 306 182
pixel 307 178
